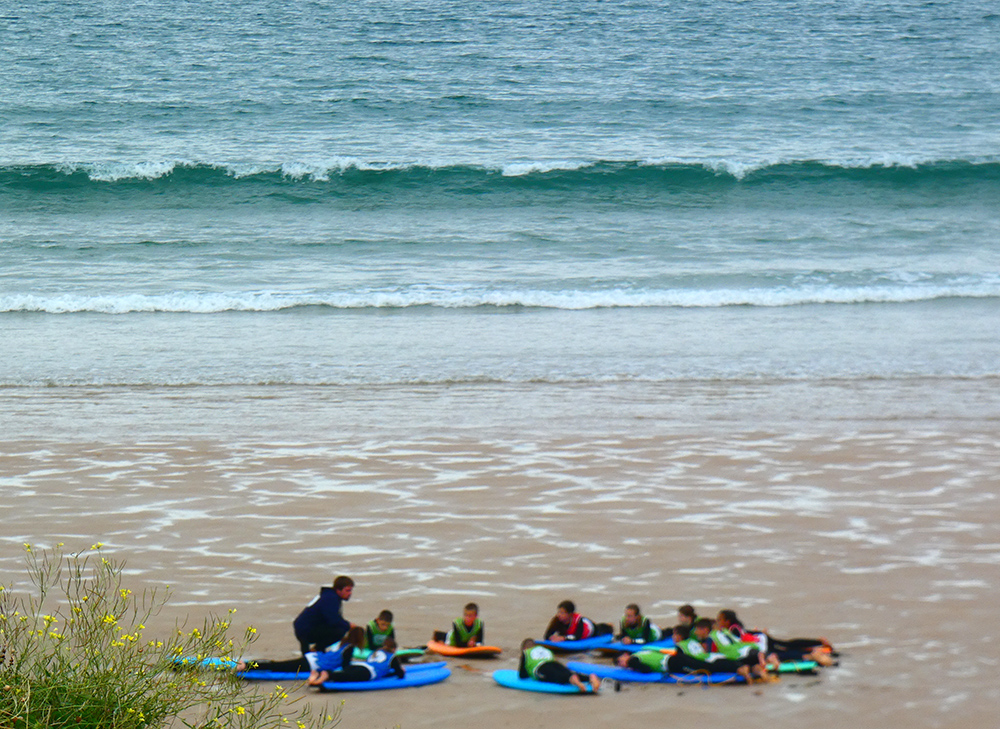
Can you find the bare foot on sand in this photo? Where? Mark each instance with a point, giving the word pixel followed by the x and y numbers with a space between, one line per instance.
pixel 317 678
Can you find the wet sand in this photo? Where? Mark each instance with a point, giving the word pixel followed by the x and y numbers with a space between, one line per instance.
pixel 884 541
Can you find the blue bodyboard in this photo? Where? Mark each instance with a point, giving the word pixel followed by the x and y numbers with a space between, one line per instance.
pixel 510 679
pixel 429 673
pixel 303 675
pixel 576 646
pixel 667 643
pixel 628 675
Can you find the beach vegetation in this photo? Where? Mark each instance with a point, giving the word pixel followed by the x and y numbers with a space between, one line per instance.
pixel 75 652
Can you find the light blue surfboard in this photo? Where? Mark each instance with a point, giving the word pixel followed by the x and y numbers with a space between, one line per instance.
pixel 510 679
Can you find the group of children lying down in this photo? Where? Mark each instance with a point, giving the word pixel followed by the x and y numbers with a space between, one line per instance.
pixel 700 645
pixel 722 645
pixel 344 660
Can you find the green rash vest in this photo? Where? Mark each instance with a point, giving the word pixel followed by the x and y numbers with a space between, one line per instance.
pixel 460 634
pixel 654 659
pixel 637 632
pixel 693 648
pixel 536 656
pixel 378 636
pixel 730 646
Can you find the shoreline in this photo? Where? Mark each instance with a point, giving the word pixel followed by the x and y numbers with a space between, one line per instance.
pixel 304 413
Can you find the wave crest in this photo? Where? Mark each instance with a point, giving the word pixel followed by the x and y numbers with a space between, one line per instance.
pixel 353 171
pixel 213 303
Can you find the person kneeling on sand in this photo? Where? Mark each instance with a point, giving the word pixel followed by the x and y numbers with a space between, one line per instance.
pixel 539 663
pixel 321 623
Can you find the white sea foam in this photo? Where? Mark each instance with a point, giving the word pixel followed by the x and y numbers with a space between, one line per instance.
pixel 322 168
pixel 212 302
pixel 518 169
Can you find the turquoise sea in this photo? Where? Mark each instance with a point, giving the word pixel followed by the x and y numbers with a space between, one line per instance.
pixel 497 211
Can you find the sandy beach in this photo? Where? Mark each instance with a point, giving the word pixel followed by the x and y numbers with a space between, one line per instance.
pixel 885 541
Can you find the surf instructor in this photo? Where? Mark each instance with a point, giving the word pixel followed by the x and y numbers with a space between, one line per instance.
pixel 322 623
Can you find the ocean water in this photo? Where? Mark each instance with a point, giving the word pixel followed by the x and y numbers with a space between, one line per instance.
pixel 522 207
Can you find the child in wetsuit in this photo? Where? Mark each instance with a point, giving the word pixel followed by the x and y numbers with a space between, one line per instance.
pixel 466 631
pixel 379 630
pixel 692 657
pixel 380 664
pixel 743 653
pixel 539 663
pixel 634 627
pixel 686 615
pixel 567 624
pixel 338 657
pixel 796 649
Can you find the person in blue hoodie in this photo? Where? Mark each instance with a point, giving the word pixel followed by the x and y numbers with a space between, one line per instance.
pixel 322 622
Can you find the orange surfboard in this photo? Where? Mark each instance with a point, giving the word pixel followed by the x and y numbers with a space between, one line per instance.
pixel 476 651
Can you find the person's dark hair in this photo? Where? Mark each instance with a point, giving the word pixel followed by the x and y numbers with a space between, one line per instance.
pixel 473 606
pixel 730 616
pixel 683 631
pixel 356 636
pixel 385 615
pixel 687 611
pixel 634 607
pixel 389 646
pixel 527 643
pixel 567 605
pixel 343 581
pixel 703 623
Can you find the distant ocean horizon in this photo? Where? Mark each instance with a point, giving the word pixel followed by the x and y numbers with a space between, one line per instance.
pixel 499 196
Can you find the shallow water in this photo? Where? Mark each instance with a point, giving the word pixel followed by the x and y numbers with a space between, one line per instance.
pixel 884 541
